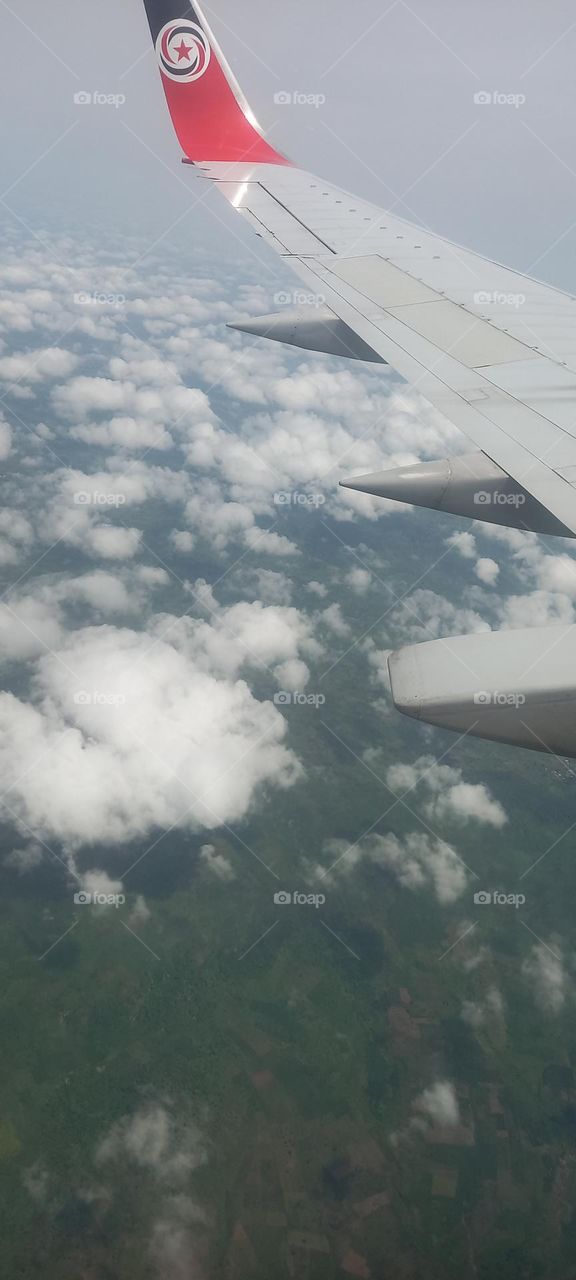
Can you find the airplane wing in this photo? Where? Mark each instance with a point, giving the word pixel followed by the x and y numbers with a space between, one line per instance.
pixel 494 350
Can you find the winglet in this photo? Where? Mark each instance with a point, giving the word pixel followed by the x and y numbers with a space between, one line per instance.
pixel 209 111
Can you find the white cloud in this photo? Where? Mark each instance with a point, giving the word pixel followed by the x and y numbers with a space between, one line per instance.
pixel 174 1247
pixel 451 796
pixel 273 587
pixel 268 636
pixel 418 861
pixel 102 591
pixel 28 627
pixel 439 1104
pixel 182 541
pixel 487 571
pixel 545 970
pixel 481 1012
pixel 155 1139
pixel 181 747
pixel 140 913
pixel 99 882
pixel 359 580
pixel 378 659
pixel 124 433
pixel 5 440
pixel 267 542
pixel 465 801
pixel 333 619
pixel 36 366
pixel 464 543
pixel 217 863
pixel 425 615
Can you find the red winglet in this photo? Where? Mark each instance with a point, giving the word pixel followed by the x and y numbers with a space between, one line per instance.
pixel 209 112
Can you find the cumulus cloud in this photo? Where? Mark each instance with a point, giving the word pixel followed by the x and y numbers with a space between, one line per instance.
pixel 126 733
pixel 546 592
pixel 155 1139
pixel 5 440
pixel 140 913
pixel 464 543
pixel 487 570
pixel 479 1013
pixel 182 541
pixel 333 618
pixel 99 882
pixel 425 615
pixel 175 1247
pixel 141 405
pixel 465 802
pixel 435 1108
pixel 169 1151
pixel 28 627
pixel 544 968
pixel 273 586
pixel 102 591
pixel 451 797
pixel 359 580
pixel 37 366
pixel 418 861
pixel 270 636
pixel 217 863
pixel 439 1104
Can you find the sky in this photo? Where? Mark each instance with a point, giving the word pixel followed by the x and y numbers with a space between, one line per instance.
pixel 399 124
